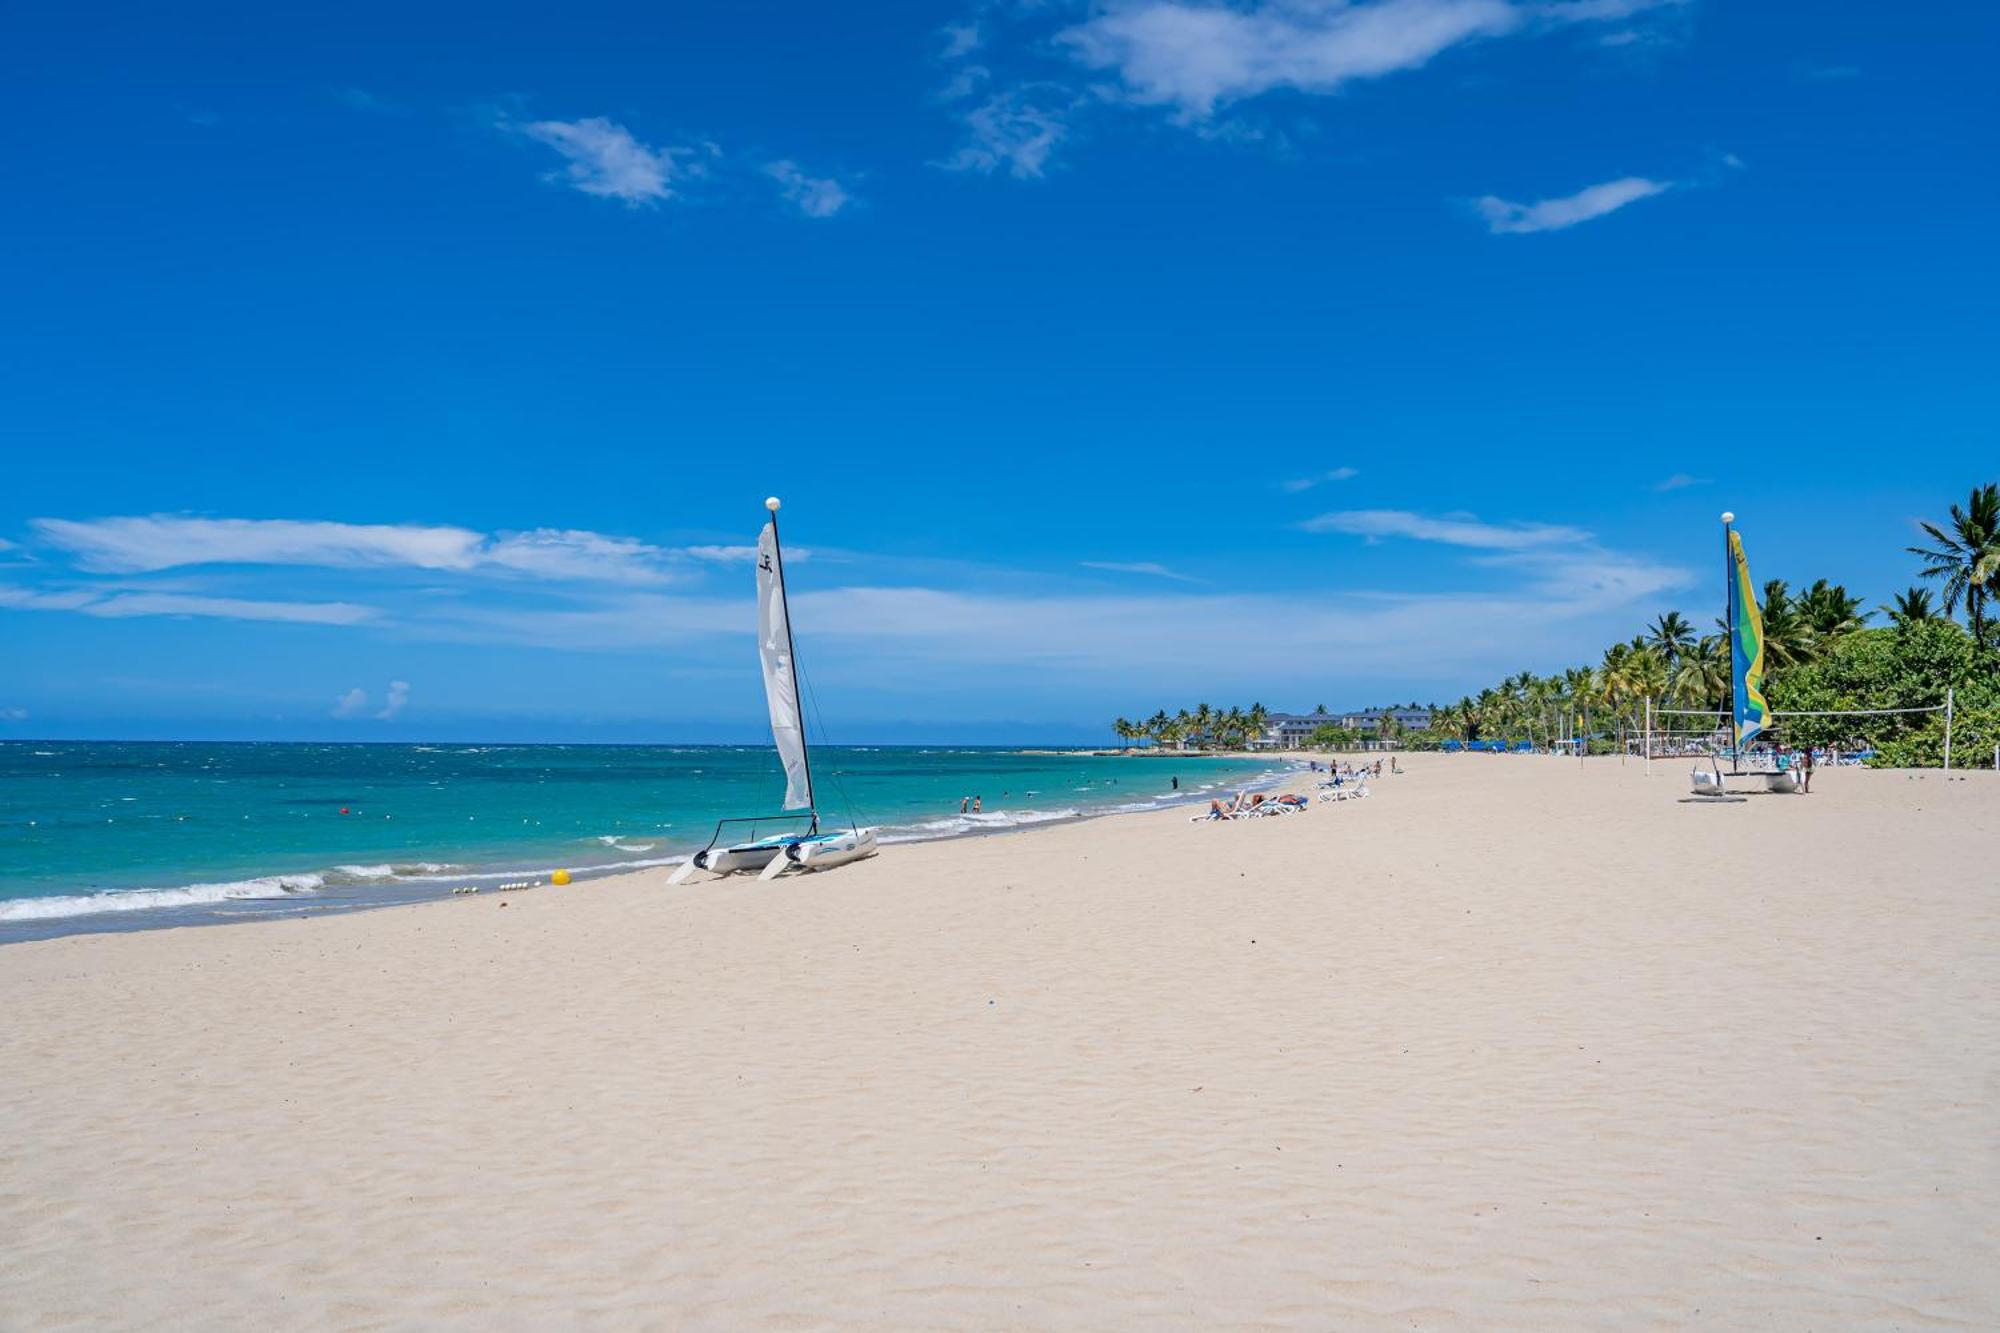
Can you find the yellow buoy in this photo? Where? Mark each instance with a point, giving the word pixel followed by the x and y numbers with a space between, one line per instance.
pixel 560 877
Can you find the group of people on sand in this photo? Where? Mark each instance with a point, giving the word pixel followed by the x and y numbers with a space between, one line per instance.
pixel 1251 801
pixel 1801 762
pixel 1346 768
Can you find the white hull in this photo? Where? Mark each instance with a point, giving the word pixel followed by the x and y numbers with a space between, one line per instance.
pixel 823 852
pixel 729 860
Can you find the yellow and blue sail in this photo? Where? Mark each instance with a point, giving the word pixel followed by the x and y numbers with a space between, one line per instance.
pixel 1747 666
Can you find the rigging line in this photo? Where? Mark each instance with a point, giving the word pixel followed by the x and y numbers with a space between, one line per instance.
pixel 819 719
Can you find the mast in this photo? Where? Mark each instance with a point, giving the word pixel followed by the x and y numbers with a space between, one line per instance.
pixel 1729 624
pixel 792 653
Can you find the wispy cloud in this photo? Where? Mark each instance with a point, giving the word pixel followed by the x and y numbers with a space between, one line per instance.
pixel 146 544
pixel 814 196
pixel 1146 567
pixel 124 605
pixel 607 160
pixel 1307 483
pixel 1016 131
pixel 1193 55
pixel 356 704
pixel 360 99
pixel 1450 529
pixel 740 555
pixel 1507 218
pixel 13 715
pixel 959 40
pixel 1680 481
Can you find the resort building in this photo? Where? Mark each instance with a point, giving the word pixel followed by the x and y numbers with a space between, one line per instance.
pixel 1292 731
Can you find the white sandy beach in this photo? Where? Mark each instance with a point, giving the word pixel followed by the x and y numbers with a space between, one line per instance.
pixel 1508 1046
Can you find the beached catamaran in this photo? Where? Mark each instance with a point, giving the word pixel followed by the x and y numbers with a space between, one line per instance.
pixel 812 849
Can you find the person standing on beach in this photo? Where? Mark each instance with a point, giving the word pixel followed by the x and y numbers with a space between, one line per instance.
pixel 1805 771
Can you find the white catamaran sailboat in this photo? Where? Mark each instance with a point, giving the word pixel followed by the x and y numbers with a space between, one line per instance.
pixel 811 850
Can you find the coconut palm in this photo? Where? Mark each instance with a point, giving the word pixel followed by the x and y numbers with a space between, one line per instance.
pixel 1788 639
pixel 1671 635
pixel 1701 677
pixel 1965 556
pixel 1829 611
pixel 1911 607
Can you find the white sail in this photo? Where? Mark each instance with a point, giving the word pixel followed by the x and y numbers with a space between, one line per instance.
pixel 781 686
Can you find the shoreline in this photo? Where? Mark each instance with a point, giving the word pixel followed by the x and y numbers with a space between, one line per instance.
pixel 361 893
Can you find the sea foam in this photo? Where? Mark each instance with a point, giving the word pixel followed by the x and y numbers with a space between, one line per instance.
pixel 143 900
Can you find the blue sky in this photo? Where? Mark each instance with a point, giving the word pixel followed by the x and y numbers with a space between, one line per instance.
pixel 1108 357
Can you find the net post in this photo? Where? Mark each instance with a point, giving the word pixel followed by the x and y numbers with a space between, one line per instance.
pixel 1948 692
pixel 1648 742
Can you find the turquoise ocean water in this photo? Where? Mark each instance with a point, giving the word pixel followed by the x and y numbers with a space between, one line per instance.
pixel 99 835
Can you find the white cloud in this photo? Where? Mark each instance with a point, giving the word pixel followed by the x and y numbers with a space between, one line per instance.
pixel 816 197
pixel 351 704
pixel 1016 130
pixel 1195 55
pixel 398 698
pixel 163 541
pixel 13 715
pixel 1147 567
pixel 1307 483
pixel 569 553
pixel 144 544
pixel 23 599
pixel 1450 529
pixel 607 161
pixel 122 605
pixel 1506 218
pixel 960 40
pixel 1679 481
pixel 740 555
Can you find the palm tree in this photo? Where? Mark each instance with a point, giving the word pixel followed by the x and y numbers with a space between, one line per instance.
pixel 1911 607
pixel 1701 677
pixel 1258 719
pixel 1788 638
pixel 1124 731
pixel 1965 555
pixel 1671 635
pixel 1830 611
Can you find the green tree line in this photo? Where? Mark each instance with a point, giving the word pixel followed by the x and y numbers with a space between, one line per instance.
pixel 1820 654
